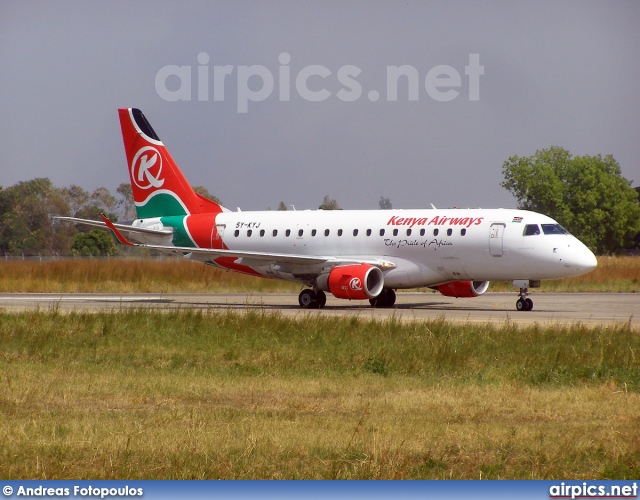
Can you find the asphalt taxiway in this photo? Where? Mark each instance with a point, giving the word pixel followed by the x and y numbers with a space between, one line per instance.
pixel 607 309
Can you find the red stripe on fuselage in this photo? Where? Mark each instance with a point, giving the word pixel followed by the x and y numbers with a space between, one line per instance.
pixel 230 263
pixel 203 231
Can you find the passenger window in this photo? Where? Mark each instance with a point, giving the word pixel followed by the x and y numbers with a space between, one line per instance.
pixel 436 231
pixel 531 229
pixel 368 232
pixel 395 232
pixel 422 232
pixel 249 232
pixel 261 233
pixel 287 233
pixel 409 232
pixel 275 232
pixel 381 232
pixel 339 232
pixel 463 231
pixel 355 232
pixel 313 232
pixel 300 232
pixel 326 232
pixel 236 233
pixel 449 232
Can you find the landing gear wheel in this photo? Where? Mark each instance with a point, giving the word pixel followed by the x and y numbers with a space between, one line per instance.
pixel 307 299
pixel 321 298
pixel 386 299
pixel 391 298
pixel 524 304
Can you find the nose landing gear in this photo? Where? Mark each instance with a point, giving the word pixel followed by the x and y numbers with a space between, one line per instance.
pixel 524 303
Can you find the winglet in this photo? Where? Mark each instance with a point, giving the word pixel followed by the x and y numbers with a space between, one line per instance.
pixel 115 231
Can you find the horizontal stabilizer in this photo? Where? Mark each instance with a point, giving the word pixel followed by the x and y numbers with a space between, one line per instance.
pixel 121 227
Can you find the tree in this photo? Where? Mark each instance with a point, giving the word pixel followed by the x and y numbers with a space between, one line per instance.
pixel 25 211
pixel 282 207
pixel 202 191
pixel 329 204
pixel 105 202
pixel 126 204
pixel 94 244
pixel 385 203
pixel 585 194
pixel 76 197
pixel 87 206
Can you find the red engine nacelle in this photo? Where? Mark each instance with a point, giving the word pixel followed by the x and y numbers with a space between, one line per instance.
pixel 359 282
pixel 463 288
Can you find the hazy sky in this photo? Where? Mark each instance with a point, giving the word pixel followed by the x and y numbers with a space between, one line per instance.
pixel 554 73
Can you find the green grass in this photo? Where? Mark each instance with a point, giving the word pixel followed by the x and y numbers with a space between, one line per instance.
pixel 197 394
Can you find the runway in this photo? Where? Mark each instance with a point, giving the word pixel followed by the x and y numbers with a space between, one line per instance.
pixel 606 309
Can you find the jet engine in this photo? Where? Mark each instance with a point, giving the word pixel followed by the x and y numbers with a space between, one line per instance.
pixel 358 281
pixel 463 288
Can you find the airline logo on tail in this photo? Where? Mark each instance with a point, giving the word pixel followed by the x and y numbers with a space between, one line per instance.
pixel 146 168
pixel 158 186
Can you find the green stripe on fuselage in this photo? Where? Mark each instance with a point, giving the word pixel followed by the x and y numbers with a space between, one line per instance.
pixel 180 236
pixel 171 213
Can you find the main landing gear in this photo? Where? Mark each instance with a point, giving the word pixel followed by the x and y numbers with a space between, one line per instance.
pixel 312 299
pixel 386 299
pixel 316 299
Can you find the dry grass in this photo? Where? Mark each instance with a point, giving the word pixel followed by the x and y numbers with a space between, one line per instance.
pixel 618 274
pixel 614 274
pixel 129 276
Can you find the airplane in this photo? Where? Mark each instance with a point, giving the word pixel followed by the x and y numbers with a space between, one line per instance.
pixel 352 254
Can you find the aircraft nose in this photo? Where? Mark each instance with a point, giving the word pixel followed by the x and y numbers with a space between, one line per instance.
pixel 581 259
pixel 587 260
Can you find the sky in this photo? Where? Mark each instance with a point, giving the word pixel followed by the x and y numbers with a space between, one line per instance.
pixel 262 102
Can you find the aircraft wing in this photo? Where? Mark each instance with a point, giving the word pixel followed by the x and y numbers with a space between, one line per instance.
pixel 248 258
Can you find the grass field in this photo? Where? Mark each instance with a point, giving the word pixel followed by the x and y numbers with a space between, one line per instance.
pixel 196 394
pixel 129 276
pixel 614 274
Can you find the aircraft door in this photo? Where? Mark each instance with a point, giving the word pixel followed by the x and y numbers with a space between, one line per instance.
pixel 495 240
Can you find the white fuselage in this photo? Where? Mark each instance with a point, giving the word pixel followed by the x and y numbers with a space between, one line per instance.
pixel 426 247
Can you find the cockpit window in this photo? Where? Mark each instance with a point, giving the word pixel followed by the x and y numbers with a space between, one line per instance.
pixel 531 229
pixel 553 229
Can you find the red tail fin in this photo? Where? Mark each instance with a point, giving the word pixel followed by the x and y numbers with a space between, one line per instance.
pixel 159 188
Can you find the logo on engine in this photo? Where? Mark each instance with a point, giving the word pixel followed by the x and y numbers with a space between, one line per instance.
pixel 355 284
pixel 146 168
